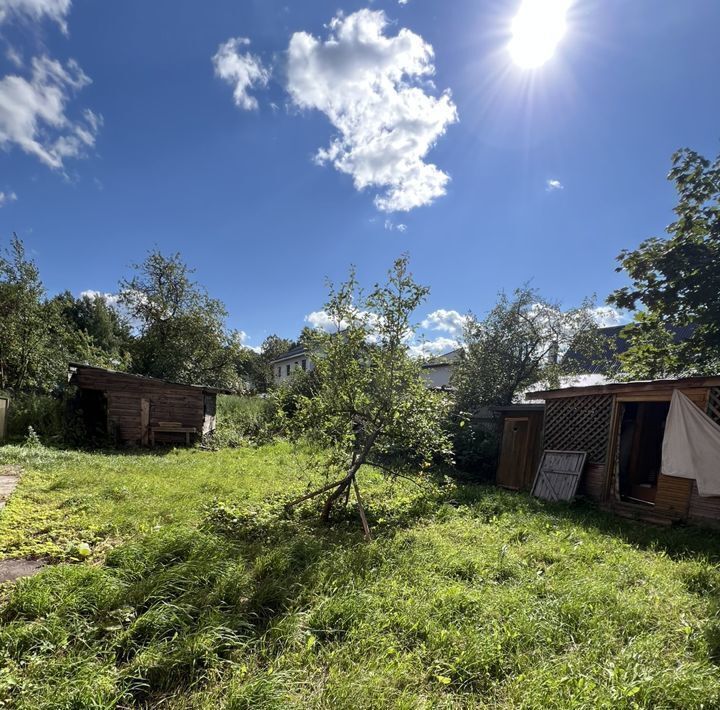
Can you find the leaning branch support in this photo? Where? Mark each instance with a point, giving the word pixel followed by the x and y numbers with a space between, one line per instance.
pixel 314 494
pixel 366 527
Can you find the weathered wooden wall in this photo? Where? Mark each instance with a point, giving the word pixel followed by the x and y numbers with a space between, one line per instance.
pixel 168 402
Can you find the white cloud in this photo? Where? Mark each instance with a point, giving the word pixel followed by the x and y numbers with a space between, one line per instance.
pixel 112 299
pixel 33 117
pixel 321 320
pixel 606 316
pixel 391 226
pixel 6 197
pixel 553 185
pixel 368 85
pixel 436 346
pixel 242 70
pixel 445 321
pixel 14 57
pixel 36 10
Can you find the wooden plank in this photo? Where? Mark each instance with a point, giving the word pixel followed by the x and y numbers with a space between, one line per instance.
pixel 144 421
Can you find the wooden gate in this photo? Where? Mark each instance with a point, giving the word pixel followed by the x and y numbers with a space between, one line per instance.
pixel 559 474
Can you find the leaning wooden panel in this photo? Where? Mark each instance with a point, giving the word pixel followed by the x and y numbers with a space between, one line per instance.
pixel 559 475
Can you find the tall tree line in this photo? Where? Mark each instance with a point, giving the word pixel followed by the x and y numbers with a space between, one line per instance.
pixel 161 324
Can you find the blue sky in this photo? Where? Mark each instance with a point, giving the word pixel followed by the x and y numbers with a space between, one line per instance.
pixel 128 125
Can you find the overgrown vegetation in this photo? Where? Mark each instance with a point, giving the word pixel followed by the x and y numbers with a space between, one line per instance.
pixel 203 593
pixel 244 420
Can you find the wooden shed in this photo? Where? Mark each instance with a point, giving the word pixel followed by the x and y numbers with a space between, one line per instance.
pixel 137 411
pixel 621 427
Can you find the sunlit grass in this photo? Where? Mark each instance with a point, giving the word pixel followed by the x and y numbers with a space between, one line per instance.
pixel 468 597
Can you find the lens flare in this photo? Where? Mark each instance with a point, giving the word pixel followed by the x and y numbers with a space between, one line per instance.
pixel 537 30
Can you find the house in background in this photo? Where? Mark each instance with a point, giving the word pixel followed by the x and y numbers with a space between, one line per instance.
pixel 438 370
pixel 297 358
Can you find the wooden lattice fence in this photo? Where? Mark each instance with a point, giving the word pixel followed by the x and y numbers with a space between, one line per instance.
pixel 713 406
pixel 579 424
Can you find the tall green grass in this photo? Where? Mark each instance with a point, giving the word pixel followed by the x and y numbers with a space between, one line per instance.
pixel 243 420
pixel 468 597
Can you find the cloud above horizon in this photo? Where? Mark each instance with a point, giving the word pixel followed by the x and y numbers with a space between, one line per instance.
pixel 376 91
pixel 553 185
pixel 373 89
pixel 242 70
pixel 36 10
pixel 6 197
pixel 447 321
pixel 33 112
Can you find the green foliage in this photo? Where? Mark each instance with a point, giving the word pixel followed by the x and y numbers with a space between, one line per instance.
pixel 475 445
pixel 676 280
pixel 32 333
pixel 469 597
pixel 182 330
pixel 370 398
pixel 521 343
pixel 102 333
pixel 653 353
pixel 244 420
pixel 44 413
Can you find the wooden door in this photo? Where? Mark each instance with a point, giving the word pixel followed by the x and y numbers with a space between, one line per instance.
pixel 3 418
pixel 144 421
pixel 513 453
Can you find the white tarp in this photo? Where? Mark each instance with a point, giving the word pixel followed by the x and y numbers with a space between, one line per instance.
pixel 691 445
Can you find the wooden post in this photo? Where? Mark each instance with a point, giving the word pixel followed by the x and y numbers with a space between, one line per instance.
pixel 145 421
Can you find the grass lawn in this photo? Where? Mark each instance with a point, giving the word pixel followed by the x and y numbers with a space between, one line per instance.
pixel 200 593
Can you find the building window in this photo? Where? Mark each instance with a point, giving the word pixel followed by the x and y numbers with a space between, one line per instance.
pixel 279 372
pixel 304 365
pixel 287 368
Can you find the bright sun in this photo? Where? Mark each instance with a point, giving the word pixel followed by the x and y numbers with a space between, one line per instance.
pixel 537 30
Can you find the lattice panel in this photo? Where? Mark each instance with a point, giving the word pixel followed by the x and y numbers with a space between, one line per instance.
pixel 579 424
pixel 713 407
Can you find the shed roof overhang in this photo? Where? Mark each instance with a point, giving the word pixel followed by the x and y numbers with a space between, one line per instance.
pixel 640 387
pixel 75 366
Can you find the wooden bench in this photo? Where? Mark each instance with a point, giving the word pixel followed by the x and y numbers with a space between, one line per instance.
pixel 171 428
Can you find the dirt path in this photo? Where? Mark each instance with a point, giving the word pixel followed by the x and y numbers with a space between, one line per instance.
pixel 9 477
pixel 10 570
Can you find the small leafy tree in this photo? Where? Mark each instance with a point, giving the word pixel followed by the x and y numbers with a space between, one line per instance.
pixel 369 400
pixel 676 280
pixel 182 334
pixel 521 342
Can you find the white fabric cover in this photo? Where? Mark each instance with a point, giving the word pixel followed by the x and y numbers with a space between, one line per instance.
pixel 691 445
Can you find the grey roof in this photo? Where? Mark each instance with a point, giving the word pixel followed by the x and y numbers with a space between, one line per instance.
pixel 447 359
pixel 616 345
pixel 295 351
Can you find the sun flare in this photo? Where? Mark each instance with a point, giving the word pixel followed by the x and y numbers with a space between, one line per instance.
pixel 537 30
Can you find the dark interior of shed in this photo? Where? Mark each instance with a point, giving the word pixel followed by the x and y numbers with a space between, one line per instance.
pixel 640 452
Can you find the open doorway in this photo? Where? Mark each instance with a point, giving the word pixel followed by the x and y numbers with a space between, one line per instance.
pixel 640 450
pixel 92 405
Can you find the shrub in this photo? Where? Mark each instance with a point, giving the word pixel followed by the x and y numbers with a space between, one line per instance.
pixel 243 420
pixel 44 413
pixel 475 445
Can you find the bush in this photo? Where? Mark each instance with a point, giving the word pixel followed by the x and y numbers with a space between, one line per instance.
pixel 44 413
pixel 475 445
pixel 243 420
